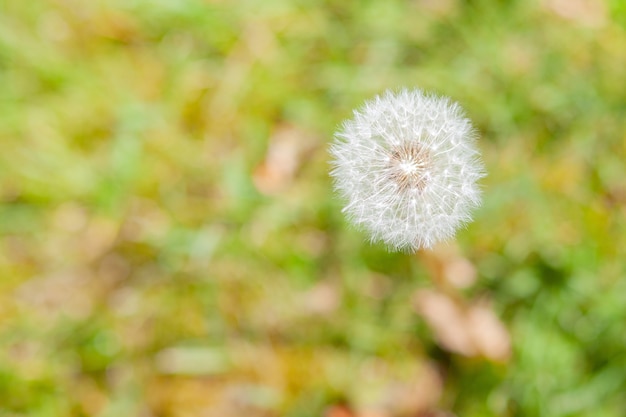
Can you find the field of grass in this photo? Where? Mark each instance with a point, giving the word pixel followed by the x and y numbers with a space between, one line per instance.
pixel 170 244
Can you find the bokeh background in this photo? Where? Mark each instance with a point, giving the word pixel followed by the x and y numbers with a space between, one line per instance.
pixel 170 244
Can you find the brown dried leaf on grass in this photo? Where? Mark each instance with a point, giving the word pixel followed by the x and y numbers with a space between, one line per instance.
pixel 287 149
pixel 447 321
pixel 488 333
pixel 470 330
pixel 446 263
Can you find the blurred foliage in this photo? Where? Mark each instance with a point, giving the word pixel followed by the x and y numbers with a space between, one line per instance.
pixel 157 258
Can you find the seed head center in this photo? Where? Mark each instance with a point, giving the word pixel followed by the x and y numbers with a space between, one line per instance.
pixel 408 166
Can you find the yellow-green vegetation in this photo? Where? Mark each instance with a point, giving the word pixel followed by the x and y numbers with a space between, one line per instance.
pixel 170 245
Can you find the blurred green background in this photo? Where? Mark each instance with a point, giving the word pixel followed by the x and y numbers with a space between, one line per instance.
pixel 170 244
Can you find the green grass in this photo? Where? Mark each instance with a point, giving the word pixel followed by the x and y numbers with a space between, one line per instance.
pixel 135 242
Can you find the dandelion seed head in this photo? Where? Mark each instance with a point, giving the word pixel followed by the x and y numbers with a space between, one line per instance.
pixel 407 166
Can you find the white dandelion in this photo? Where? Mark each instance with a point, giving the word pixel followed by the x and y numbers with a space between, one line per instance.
pixel 408 167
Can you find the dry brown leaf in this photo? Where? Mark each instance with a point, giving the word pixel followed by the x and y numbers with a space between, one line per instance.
pixel 287 148
pixel 446 262
pixel 470 330
pixel 447 320
pixel 488 333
